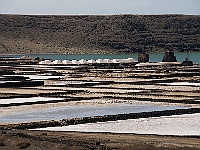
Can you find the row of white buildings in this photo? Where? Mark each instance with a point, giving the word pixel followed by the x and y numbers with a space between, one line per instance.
pixel 90 61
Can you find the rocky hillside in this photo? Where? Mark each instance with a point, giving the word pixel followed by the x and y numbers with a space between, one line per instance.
pixel 98 34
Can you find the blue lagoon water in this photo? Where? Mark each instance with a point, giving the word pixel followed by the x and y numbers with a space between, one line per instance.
pixel 154 57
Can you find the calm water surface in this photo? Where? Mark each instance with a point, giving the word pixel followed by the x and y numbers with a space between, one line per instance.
pixel 67 112
pixel 154 57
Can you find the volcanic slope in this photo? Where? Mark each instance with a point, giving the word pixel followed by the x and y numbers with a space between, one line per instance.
pixel 98 34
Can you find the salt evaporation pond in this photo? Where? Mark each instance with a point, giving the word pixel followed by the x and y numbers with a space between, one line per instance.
pixel 182 125
pixel 36 77
pixel 66 112
pixel 181 84
pixel 28 100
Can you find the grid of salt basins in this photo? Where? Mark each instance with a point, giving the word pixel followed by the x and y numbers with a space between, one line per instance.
pixel 118 117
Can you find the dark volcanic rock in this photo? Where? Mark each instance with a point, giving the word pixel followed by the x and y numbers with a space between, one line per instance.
pixel 98 34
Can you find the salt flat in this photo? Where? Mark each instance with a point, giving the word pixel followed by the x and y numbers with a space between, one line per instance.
pixel 24 100
pixel 182 83
pixel 182 125
pixel 100 90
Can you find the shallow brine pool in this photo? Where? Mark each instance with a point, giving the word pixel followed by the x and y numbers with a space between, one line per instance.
pixel 66 112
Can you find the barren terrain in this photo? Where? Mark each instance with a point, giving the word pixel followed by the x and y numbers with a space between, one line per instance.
pixel 98 34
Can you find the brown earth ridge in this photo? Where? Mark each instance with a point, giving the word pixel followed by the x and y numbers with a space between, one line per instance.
pixel 90 34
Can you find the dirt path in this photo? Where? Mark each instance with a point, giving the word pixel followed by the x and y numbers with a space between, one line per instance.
pixel 85 141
